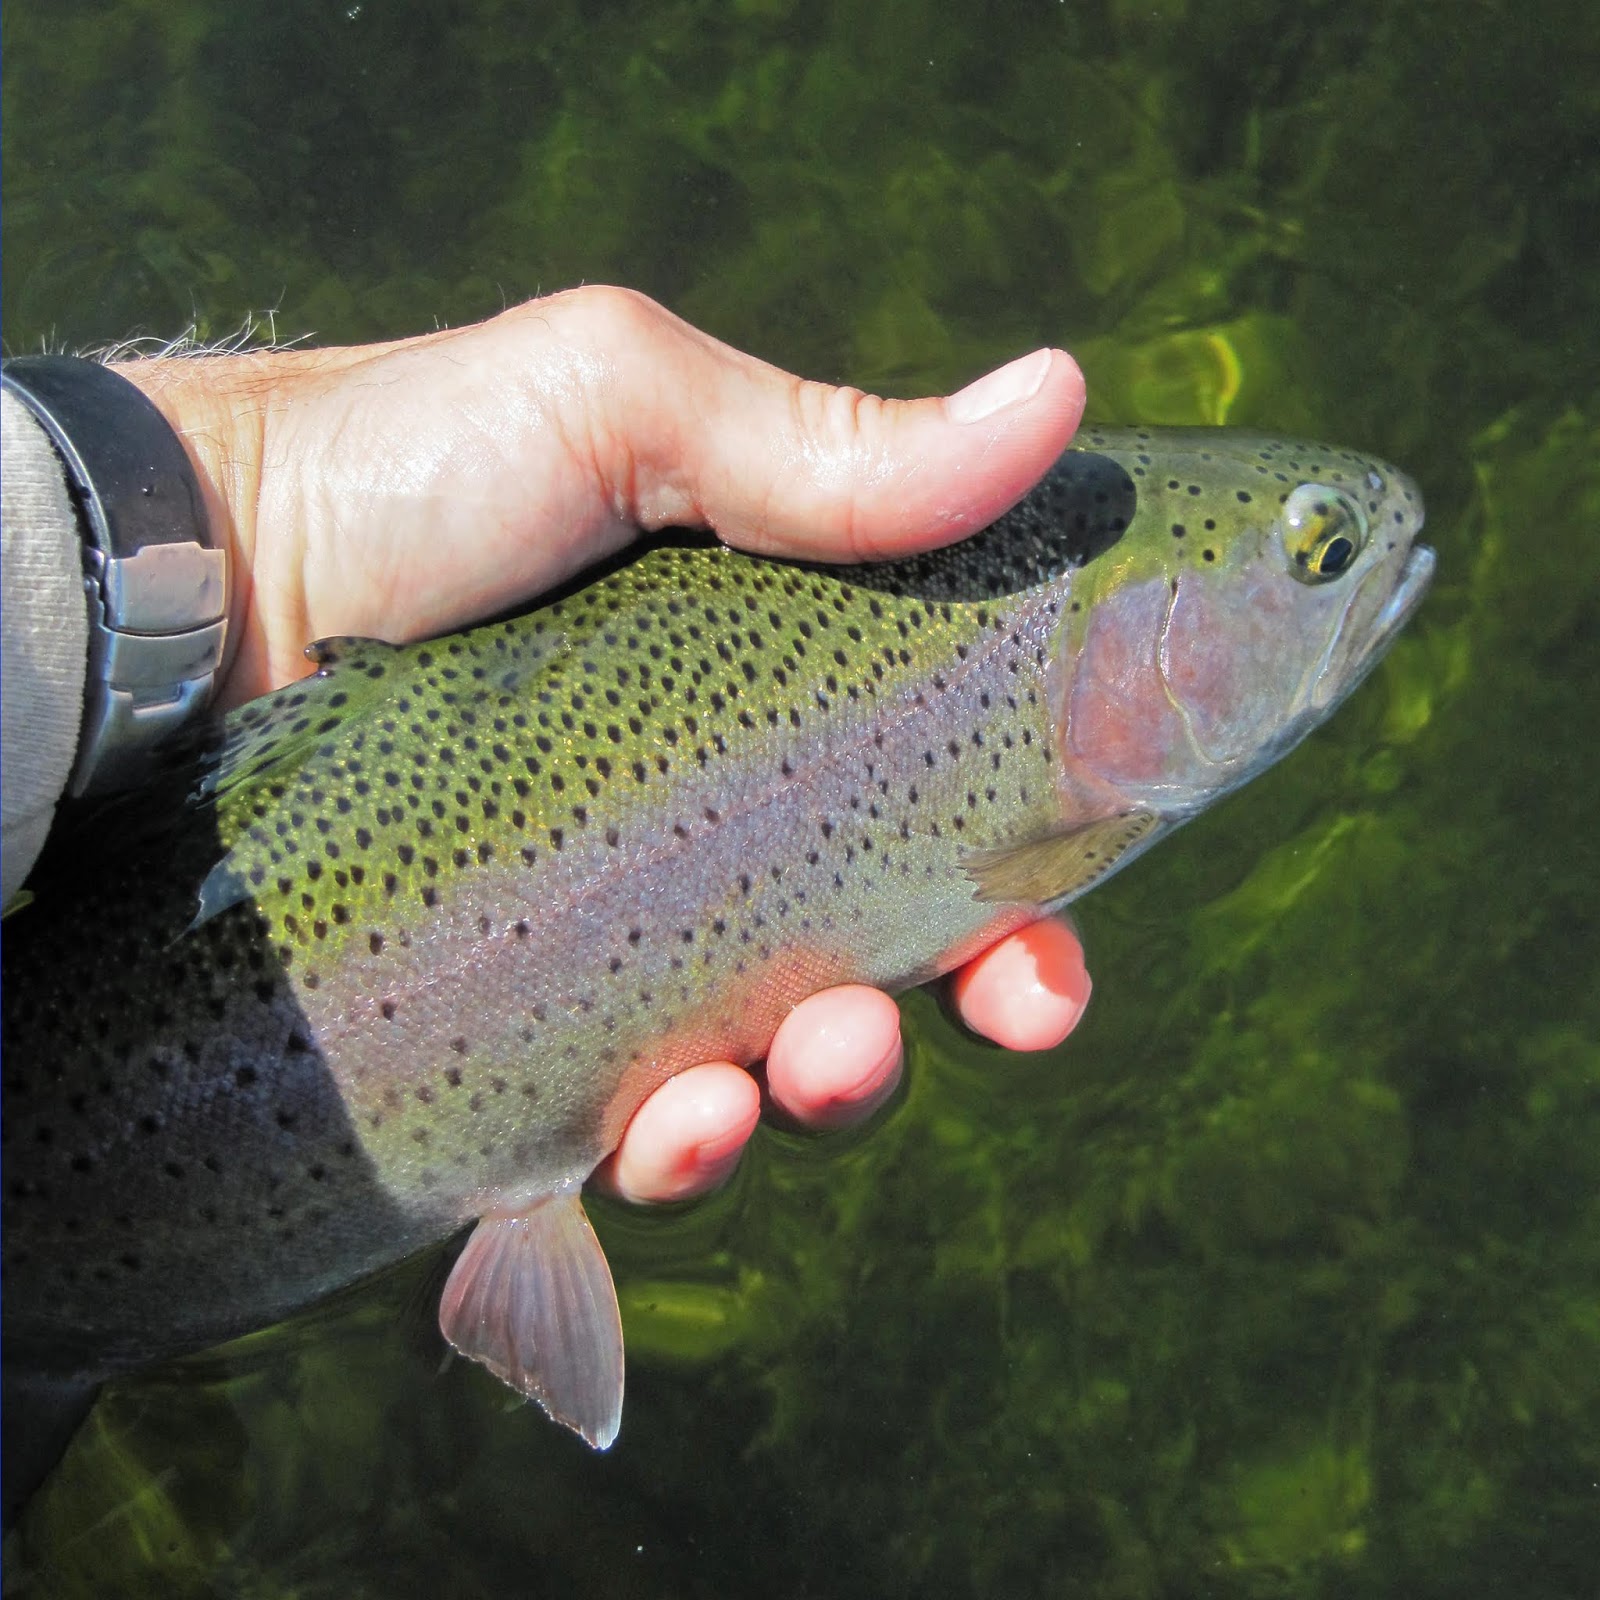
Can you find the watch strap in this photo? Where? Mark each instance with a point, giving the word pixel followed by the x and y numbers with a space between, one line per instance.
pixel 157 589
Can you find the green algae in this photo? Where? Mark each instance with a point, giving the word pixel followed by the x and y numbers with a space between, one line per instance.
pixel 1283 1276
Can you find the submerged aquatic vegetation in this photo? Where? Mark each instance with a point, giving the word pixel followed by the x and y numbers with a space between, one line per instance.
pixel 1281 1278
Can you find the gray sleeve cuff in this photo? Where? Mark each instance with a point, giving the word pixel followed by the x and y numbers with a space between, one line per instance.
pixel 44 643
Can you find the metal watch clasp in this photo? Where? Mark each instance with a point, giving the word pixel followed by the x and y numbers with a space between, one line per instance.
pixel 154 678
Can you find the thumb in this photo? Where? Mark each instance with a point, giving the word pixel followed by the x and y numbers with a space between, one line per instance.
pixel 687 431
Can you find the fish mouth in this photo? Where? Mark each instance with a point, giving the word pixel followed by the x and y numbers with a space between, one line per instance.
pixel 1341 677
pixel 1415 577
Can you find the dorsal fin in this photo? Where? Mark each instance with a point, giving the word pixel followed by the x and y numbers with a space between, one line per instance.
pixel 274 745
pixel 352 675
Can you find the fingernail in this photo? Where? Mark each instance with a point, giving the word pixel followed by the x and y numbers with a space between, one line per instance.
pixel 1009 385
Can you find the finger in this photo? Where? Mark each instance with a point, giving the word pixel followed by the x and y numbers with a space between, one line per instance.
pixel 686 1138
pixel 1028 991
pixel 689 431
pixel 836 1057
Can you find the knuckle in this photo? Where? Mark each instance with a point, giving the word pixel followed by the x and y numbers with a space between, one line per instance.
pixel 844 435
pixel 612 317
pixel 595 316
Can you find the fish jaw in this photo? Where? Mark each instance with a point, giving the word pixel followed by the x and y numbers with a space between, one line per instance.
pixel 1362 648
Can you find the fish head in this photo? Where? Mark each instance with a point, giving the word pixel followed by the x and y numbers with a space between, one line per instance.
pixel 1255 584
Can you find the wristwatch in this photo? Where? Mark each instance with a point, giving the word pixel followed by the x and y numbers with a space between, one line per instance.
pixel 156 585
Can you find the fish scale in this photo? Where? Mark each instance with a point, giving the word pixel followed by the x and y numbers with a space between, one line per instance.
pixel 623 962
pixel 435 921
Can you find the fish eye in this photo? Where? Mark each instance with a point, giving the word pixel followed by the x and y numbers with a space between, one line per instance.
pixel 1324 531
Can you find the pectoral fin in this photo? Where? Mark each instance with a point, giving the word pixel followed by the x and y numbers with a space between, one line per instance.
pixel 531 1298
pixel 1060 866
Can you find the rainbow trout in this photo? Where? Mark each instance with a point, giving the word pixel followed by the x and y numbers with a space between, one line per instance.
pixel 438 918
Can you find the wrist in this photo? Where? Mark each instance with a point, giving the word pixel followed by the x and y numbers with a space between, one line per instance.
pixel 239 416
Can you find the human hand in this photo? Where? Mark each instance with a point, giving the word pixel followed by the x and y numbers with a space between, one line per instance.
pixel 402 490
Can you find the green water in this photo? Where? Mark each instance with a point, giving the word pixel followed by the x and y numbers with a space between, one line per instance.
pixel 1282 1277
